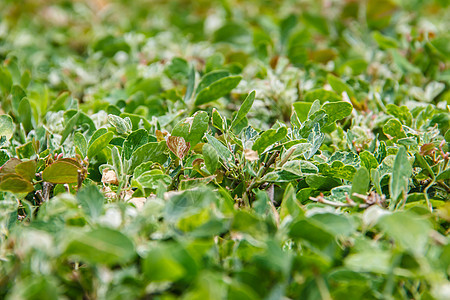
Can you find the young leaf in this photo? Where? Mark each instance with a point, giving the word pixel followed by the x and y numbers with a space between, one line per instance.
pixel 244 109
pixel 117 161
pixel 360 184
pixel 120 124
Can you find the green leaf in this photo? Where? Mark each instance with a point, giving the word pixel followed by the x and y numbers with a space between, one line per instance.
pixel 371 260
pixel 16 184
pixel 400 112
pixel 91 200
pixel 337 169
pixel 312 232
pixel 61 172
pixel 117 161
pixel 10 166
pixel 70 126
pixel 217 89
pixel 149 152
pixel 383 41
pixel 190 86
pixel 151 180
pixel 339 86
pixel 269 137
pixel 80 142
pixel 60 102
pixel 360 184
pixel 244 109
pixel 322 182
pixel 5 80
pixel 27 169
pixel 25 114
pixel 192 129
pixel 444 175
pixel 322 95
pixel 368 160
pixel 133 141
pixel 211 77
pixel 401 172
pixel 223 151
pixel 101 246
pixel 337 110
pixel 6 127
pixel 408 230
pixel 160 265
pixel 218 121
pixel 394 129
pixel 300 167
pixel 289 205
pixel 302 109
pixel 338 224
pixel 315 138
pixel 98 144
pixel 318 118
pixel 120 124
pixel 211 158
pixel 17 94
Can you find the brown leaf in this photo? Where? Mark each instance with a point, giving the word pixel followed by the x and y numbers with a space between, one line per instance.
pixel 178 146
pixel 109 177
pixel 251 155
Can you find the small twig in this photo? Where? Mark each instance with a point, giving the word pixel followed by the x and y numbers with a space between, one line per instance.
pixel 261 173
pixel 46 188
pixel 321 199
pixel 286 157
pixel 79 179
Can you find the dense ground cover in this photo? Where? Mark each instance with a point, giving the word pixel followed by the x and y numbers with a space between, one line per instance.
pixel 224 149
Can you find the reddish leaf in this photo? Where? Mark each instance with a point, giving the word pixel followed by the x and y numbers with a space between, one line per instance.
pixel 178 146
